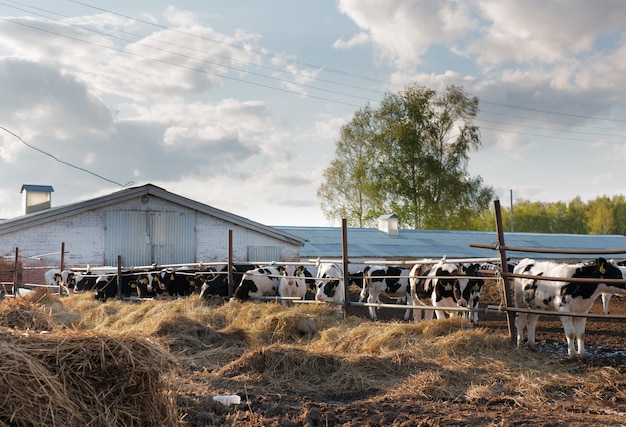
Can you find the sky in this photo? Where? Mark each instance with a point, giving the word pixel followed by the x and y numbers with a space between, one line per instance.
pixel 238 104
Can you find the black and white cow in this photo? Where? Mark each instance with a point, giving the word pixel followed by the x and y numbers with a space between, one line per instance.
pixel 216 283
pixel 177 282
pixel 329 282
pixel 445 285
pixel 561 296
pixel 294 286
pixel 262 281
pixel 470 293
pixel 431 283
pixel 393 282
pixel 106 286
pixel 64 280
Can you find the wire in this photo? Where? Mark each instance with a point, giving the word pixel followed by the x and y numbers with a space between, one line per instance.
pixel 64 162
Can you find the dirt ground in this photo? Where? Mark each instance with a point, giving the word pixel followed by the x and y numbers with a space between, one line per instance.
pixel 605 343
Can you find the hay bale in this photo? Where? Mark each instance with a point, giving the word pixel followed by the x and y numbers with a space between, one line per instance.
pixel 21 313
pixel 32 394
pixel 85 379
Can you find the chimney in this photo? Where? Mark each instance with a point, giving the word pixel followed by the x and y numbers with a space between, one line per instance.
pixel 36 197
pixel 388 224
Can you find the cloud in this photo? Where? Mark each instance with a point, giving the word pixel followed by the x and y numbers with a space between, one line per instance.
pixel 403 31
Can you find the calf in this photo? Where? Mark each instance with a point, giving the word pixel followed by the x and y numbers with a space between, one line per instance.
pixel 177 283
pixel 470 293
pixel 106 286
pixel 262 281
pixel 330 287
pixel 216 283
pixel 439 288
pixel 561 296
pixel 292 286
pixel 392 282
pixel 61 279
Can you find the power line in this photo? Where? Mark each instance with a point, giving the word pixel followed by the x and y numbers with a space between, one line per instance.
pixel 226 76
pixel 182 55
pixel 63 161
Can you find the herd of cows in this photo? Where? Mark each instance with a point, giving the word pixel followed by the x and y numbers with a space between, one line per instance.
pixel 440 287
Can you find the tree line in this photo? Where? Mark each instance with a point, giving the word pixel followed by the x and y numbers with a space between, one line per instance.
pixel 409 157
pixel 602 215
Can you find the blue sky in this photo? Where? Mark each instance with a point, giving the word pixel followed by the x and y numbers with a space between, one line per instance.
pixel 238 104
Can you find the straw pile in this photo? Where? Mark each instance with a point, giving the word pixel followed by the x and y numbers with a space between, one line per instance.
pixel 21 313
pixel 80 378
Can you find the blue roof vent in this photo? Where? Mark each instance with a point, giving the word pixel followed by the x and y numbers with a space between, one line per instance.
pixel 36 197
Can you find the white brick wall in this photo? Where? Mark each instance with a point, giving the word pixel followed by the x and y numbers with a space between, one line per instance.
pixel 83 235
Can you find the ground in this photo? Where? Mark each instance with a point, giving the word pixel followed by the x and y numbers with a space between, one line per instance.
pixel 605 341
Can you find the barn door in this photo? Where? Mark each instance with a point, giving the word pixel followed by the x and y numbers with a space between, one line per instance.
pixel 144 238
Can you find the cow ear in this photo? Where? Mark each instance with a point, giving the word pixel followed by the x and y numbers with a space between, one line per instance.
pixel 602 265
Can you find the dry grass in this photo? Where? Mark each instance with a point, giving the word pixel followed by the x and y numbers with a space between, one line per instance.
pixel 121 359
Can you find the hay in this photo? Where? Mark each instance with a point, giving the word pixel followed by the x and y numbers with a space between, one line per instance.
pixel 84 379
pixel 291 369
pixel 21 313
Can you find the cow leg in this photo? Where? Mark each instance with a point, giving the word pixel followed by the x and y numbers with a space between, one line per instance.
pixel 570 335
pixel 579 326
pixel 407 313
pixel 605 302
pixel 520 325
pixel 440 314
pixel 531 327
pixel 371 299
pixel 473 316
pixel 363 293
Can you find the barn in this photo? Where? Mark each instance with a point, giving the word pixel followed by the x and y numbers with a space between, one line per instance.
pixel 144 225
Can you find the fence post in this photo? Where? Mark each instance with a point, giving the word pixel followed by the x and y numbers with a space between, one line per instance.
pixel 505 270
pixel 344 256
pixel 62 257
pixel 119 277
pixel 230 277
pixel 15 264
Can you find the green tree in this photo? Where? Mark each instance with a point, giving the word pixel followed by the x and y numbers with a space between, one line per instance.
pixel 600 216
pixel 418 143
pixel 348 190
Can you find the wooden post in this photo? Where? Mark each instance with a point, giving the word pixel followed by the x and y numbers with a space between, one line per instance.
pixel 346 274
pixel 231 279
pixel 508 299
pixel 15 276
pixel 62 257
pixel 119 277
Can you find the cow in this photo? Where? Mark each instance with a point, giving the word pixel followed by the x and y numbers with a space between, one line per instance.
pixel 435 288
pixel 216 284
pixel 61 279
pixel 106 286
pixel 262 281
pixel 392 282
pixel 177 283
pixel 329 282
pixel 292 286
pixel 561 296
pixel 470 293
pixel 146 284
pixel 85 282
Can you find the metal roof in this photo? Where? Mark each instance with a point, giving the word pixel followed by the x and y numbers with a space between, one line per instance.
pixel 326 242
pixel 60 212
pixel 39 188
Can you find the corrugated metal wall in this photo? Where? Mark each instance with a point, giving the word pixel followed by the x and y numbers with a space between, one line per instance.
pixel 143 238
pixel 263 253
